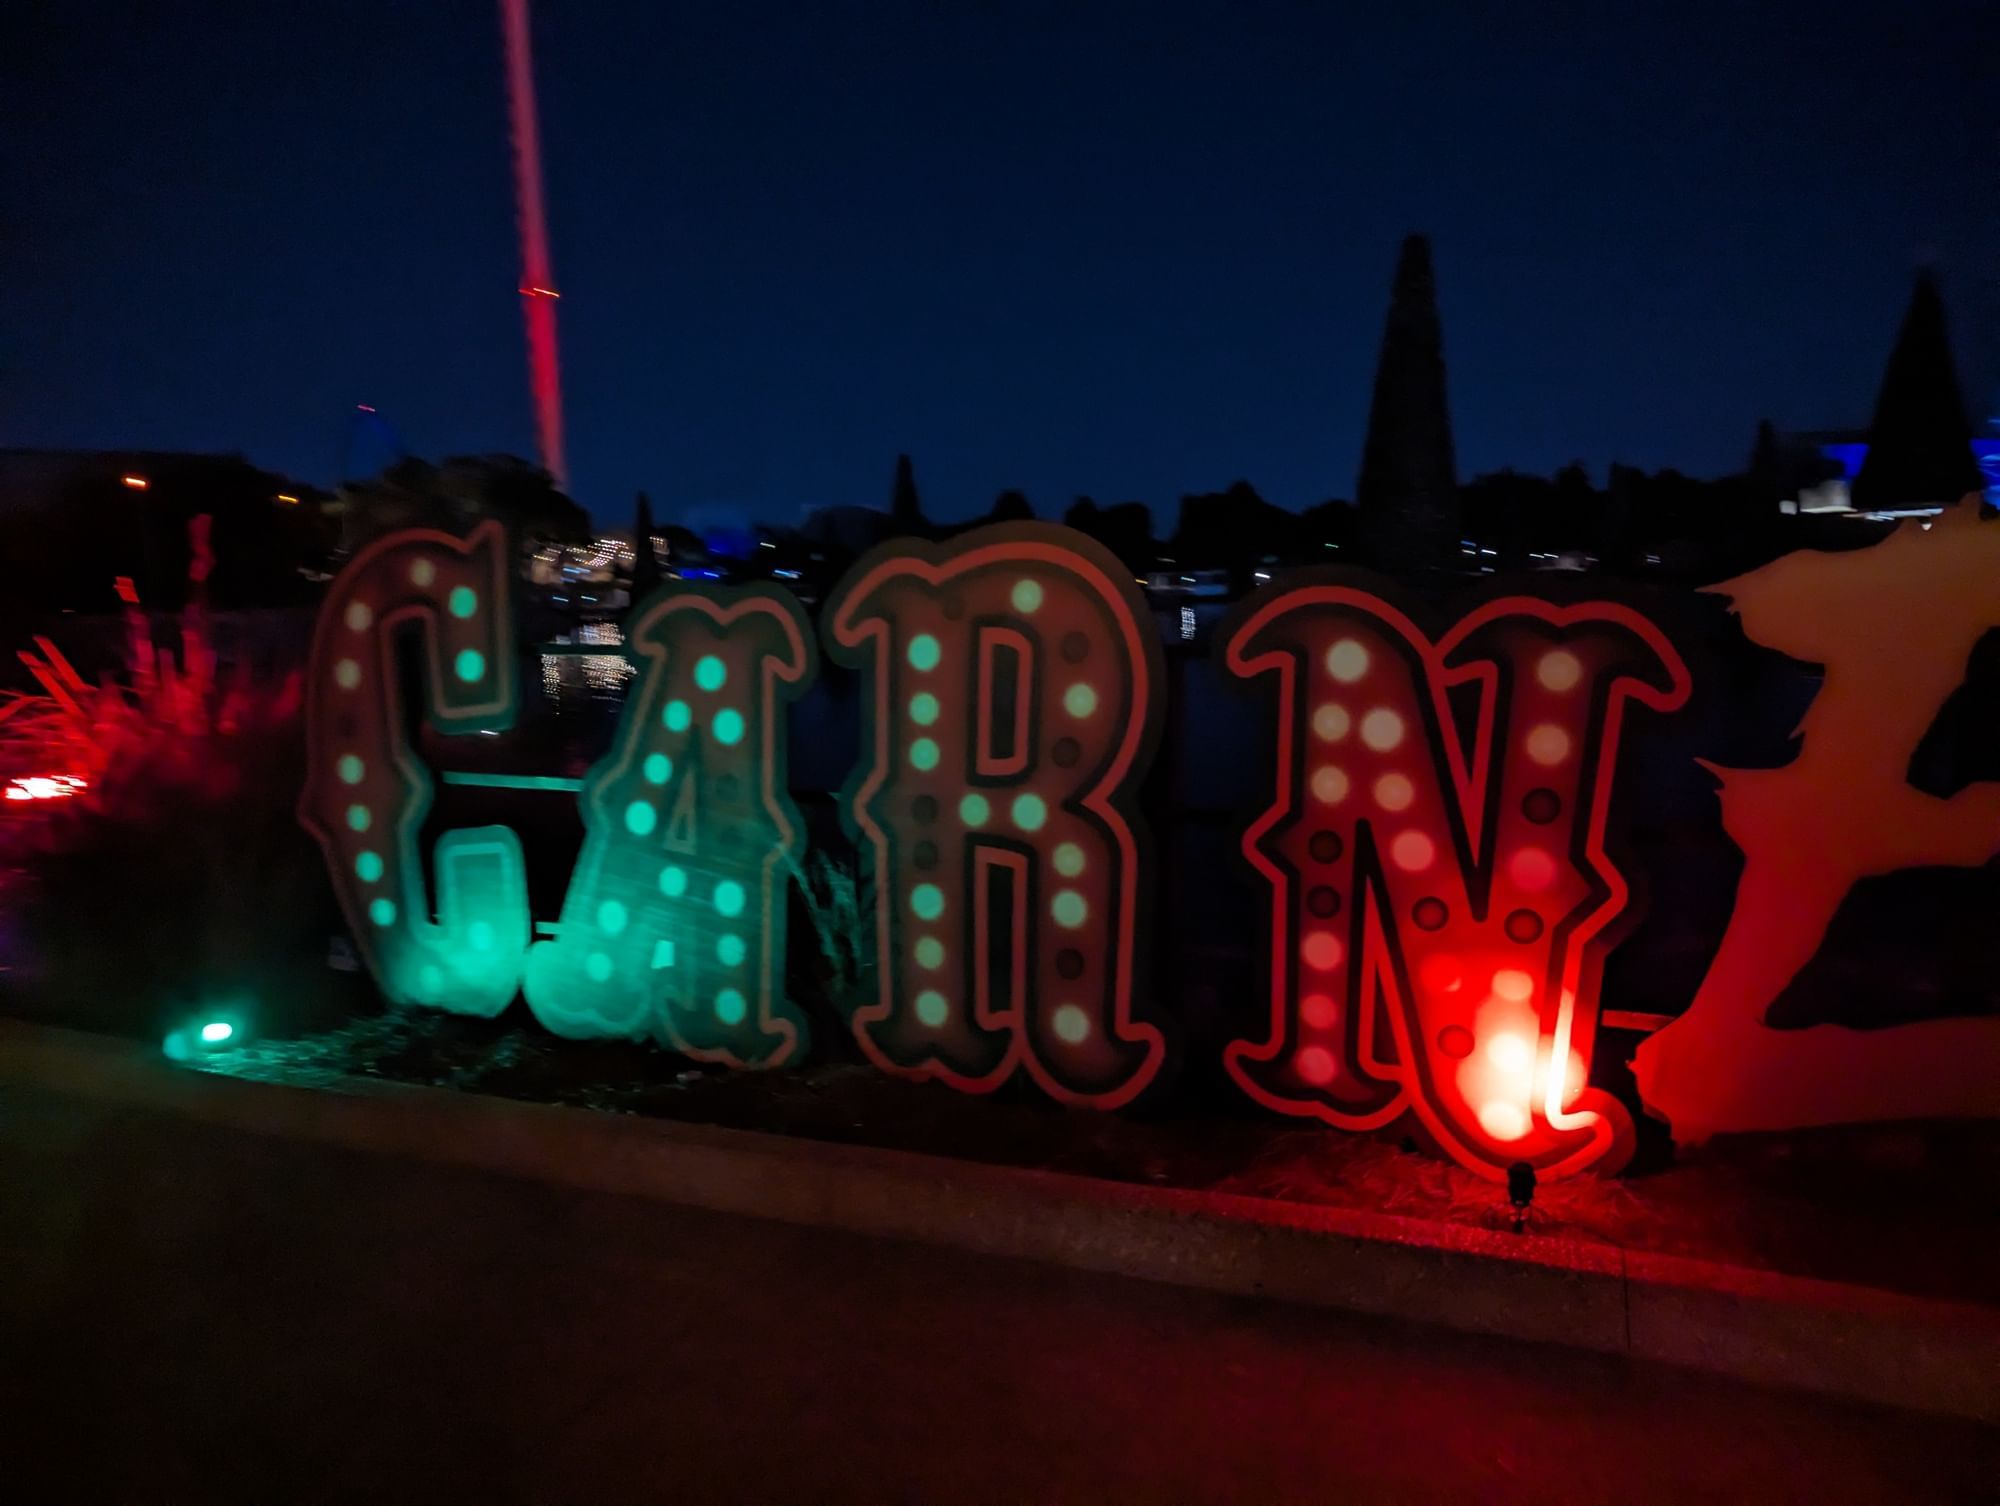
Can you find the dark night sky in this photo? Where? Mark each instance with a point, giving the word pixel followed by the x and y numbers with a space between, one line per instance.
pixel 1131 250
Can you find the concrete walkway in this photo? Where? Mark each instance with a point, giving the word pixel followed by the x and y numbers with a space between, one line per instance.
pixel 196 1314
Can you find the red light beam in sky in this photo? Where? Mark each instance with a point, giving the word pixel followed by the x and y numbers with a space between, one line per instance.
pixel 538 295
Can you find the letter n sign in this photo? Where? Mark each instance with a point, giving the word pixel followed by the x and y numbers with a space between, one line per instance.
pixel 1013 681
pixel 1441 897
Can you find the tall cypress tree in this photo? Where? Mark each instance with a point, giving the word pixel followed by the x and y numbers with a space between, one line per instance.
pixel 1766 472
pixel 1408 487
pixel 645 564
pixel 1920 444
pixel 905 509
pixel 1011 506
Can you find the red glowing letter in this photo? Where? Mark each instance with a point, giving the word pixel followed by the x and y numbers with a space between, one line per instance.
pixel 1012 683
pixel 1440 902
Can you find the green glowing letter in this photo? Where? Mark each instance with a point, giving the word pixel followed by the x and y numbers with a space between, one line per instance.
pixel 674 924
pixel 367 792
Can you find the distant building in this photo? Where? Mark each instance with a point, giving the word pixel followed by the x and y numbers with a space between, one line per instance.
pixel 33 481
pixel 72 522
pixel 38 481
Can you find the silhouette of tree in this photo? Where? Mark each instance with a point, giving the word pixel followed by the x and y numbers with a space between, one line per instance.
pixel 520 494
pixel 1126 529
pixel 1624 548
pixel 1579 510
pixel 1758 532
pixel 1502 511
pixel 1408 486
pixel 1010 506
pixel 1328 533
pixel 1766 470
pixel 464 491
pixel 906 510
pixel 1920 443
pixel 645 563
pixel 1236 530
pixel 408 494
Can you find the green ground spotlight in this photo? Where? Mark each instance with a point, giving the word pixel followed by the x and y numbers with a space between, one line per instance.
pixel 207 1031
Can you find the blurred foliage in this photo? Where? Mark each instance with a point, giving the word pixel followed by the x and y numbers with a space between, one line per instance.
pixel 178 879
pixel 457 495
pixel 183 884
pixel 839 902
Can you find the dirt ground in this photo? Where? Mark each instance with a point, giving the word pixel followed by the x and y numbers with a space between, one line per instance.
pixel 1907 1209
pixel 199 1315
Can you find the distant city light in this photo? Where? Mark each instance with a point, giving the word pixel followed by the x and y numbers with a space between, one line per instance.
pixel 137 483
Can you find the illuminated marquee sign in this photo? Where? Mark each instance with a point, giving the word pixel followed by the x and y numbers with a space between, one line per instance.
pixel 367 792
pixel 1013 683
pixel 1894 627
pixel 674 923
pixel 1441 896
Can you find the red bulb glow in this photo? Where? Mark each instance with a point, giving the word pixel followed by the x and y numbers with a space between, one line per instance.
pixel 1440 817
pixel 1316 1064
pixel 1322 951
pixel 1532 868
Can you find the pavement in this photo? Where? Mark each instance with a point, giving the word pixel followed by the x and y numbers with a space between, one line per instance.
pixel 195 1313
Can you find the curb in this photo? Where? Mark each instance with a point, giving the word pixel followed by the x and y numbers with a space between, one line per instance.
pixel 1777 1330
